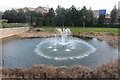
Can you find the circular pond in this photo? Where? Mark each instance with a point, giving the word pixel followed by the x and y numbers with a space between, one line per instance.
pixel 27 52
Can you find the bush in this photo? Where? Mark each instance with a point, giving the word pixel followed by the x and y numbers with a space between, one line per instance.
pixel 3 20
pixel 11 25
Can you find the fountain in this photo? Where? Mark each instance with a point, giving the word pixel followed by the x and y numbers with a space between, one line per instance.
pixel 63 41
pixel 61 50
pixel 63 46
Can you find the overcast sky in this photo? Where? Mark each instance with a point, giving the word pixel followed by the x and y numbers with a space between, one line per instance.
pixel 94 4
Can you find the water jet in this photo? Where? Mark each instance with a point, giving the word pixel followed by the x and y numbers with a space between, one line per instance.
pixel 64 47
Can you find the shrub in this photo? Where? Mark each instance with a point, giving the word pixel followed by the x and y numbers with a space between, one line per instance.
pixel 3 20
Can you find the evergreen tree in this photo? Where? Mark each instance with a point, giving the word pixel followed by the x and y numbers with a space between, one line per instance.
pixel 73 15
pixel 61 16
pixel 11 16
pixel 114 15
pixel 90 17
pixel 101 19
pixel 49 18
pixel 83 15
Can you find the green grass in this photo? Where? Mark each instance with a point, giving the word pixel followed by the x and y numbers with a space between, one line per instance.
pixel 12 25
pixel 84 30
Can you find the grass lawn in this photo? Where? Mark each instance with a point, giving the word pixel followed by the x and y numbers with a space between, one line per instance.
pixel 81 29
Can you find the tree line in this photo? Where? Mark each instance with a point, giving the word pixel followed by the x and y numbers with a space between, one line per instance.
pixel 60 17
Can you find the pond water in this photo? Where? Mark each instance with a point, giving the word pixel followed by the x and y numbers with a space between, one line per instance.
pixel 23 53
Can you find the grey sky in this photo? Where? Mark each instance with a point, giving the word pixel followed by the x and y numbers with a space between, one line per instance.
pixel 94 4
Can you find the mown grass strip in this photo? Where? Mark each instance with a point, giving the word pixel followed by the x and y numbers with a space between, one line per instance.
pixel 84 30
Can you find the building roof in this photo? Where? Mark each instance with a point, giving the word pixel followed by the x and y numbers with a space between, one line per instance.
pixel 29 8
pixel 42 9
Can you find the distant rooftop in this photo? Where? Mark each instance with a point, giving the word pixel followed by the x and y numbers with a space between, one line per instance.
pixel 29 8
pixel 42 9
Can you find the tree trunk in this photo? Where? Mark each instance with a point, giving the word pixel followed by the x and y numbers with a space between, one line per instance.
pixel 84 24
